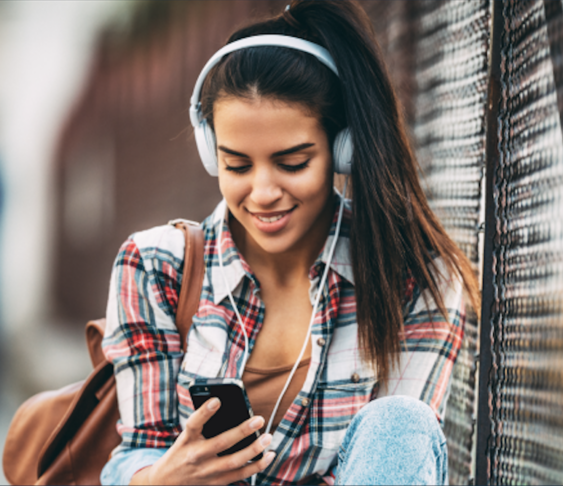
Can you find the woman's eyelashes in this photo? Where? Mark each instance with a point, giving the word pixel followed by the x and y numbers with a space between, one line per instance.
pixel 241 169
pixel 295 168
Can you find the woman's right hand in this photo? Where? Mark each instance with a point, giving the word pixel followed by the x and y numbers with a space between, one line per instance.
pixel 193 459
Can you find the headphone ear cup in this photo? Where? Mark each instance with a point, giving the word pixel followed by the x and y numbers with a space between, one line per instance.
pixel 206 145
pixel 342 152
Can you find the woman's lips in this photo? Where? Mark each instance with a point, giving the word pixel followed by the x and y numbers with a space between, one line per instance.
pixel 273 221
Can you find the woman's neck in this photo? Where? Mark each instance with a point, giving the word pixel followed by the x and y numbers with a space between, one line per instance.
pixel 292 265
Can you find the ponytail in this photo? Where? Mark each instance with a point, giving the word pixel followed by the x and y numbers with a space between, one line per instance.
pixel 394 233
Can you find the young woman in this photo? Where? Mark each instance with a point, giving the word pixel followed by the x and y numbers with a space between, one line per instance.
pixel 350 315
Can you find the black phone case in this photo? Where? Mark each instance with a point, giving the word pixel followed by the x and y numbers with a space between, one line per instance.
pixel 235 409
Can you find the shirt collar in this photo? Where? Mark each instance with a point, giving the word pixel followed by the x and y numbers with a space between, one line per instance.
pixel 235 267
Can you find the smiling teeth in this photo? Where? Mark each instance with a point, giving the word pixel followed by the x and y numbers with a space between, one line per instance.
pixel 270 220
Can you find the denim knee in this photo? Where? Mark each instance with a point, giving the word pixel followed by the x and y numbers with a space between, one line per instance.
pixel 393 440
pixel 387 411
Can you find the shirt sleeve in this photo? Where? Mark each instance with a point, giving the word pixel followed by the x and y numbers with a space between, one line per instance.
pixel 141 338
pixel 126 462
pixel 430 343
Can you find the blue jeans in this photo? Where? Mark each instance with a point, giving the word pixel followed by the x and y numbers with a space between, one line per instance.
pixel 393 440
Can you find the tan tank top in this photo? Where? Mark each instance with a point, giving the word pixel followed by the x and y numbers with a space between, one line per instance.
pixel 263 387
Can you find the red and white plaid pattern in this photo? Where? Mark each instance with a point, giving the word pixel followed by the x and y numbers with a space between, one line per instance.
pixel 153 375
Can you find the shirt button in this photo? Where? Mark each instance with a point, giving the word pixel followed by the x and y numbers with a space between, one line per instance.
pixel 305 402
pixel 321 342
pixel 355 378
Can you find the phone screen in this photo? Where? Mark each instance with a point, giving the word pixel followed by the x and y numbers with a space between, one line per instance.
pixel 233 411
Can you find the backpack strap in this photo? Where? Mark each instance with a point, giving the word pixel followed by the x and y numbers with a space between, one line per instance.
pixel 188 301
pixel 192 280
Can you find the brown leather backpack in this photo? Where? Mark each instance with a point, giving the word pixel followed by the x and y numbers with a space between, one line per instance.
pixel 66 436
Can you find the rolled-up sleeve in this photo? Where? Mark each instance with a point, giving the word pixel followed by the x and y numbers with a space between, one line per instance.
pixel 126 462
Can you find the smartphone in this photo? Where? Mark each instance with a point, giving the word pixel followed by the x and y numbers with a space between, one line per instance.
pixel 235 408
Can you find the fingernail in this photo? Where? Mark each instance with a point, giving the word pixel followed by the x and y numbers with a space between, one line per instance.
pixel 213 404
pixel 270 457
pixel 266 439
pixel 256 422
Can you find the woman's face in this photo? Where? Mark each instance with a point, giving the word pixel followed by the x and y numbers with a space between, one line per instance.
pixel 275 172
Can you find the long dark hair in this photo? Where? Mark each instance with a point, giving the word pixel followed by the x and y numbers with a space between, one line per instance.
pixel 394 233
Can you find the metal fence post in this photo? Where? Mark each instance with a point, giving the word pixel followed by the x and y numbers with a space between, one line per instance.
pixel 492 161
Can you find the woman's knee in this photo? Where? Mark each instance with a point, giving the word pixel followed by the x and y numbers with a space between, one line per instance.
pixel 392 412
pixel 394 440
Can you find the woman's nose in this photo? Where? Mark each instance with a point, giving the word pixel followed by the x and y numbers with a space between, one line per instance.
pixel 265 187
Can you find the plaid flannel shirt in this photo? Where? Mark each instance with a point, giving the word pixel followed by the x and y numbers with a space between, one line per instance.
pixel 153 375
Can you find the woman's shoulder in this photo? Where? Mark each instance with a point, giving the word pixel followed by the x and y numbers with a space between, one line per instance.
pixel 448 282
pixel 158 239
pixel 164 243
pixel 447 279
pixel 155 248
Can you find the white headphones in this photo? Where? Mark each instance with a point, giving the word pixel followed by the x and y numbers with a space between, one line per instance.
pixel 205 138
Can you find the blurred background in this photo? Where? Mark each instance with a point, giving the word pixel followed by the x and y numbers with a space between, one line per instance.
pixel 95 143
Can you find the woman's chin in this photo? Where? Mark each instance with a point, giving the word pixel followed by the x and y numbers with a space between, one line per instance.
pixel 275 245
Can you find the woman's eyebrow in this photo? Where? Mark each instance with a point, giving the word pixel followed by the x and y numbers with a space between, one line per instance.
pixel 222 148
pixel 292 150
pixel 288 151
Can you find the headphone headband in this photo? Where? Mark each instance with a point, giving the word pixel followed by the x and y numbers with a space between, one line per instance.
pixel 259 40
pixel 204 135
